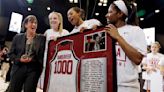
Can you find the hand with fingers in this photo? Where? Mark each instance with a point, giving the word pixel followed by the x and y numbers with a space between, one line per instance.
pixel 112 31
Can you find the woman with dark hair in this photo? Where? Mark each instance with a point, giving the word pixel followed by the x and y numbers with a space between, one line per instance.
pixel 76 17
pixel 27 53
pixel 130 44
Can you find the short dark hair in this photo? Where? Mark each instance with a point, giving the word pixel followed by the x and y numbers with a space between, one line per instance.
pixel 27 19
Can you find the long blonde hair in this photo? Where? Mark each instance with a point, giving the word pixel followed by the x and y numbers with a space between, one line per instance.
pixel 60 27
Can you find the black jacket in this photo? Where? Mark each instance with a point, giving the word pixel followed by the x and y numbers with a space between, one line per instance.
pixel 18 49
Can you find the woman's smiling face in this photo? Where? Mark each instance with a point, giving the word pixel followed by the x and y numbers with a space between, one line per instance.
pixel 31 25
pixel 54 21
pixel 73 17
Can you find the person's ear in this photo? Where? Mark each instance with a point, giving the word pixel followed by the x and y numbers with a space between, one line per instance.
pixel 79 14
pixel 120 14
pixel 25 25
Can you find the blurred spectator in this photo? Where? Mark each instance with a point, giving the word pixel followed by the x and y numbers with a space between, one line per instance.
pixel 150 64
pixel 5 62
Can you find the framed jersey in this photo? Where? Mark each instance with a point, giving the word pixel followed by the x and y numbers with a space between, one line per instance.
pixel 82 62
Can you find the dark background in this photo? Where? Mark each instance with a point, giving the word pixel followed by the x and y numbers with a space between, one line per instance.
pixel 39 9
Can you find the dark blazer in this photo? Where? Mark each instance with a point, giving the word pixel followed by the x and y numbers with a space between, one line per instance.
pixel 18 49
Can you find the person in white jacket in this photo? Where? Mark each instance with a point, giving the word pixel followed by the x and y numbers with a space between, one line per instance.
pixel 151 65
pixel 76 18
pixel 130 44
pixel 56 30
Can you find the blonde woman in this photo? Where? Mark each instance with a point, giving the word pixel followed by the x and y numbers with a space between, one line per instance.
pixel 150 64
pixel 56 25
pixel 56 30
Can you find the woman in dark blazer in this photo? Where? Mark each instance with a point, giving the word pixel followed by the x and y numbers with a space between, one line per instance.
pixel 27 52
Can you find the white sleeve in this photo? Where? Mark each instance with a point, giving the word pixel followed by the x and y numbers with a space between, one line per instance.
pixel 139 41
pixel 144 61
pixel 65 32
pixel 93 22
pixel 161 62
pixel 45 33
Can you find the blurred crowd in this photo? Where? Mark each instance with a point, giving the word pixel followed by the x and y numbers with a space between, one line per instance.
pixel 5 63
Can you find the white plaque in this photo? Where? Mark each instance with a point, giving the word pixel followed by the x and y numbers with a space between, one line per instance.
pixel 93 75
